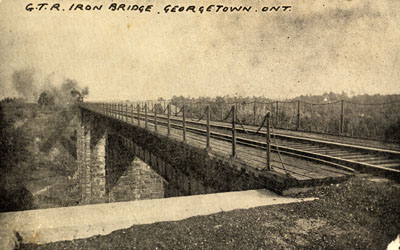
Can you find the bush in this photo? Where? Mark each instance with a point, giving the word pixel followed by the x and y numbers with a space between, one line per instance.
pixel 45 100
pixel 392 133
pixel 15 199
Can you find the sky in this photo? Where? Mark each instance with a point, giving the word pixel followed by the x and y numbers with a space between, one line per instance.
pixel 319 46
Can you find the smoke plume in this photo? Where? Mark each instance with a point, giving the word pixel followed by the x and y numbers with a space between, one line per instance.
pixel 23 83
pixel 30 89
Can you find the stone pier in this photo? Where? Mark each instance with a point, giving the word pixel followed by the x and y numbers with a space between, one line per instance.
pixel 118 161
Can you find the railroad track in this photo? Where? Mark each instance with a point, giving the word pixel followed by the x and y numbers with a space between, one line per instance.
pixel 340 155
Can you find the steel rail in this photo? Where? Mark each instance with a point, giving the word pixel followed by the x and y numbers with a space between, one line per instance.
pixel 334 161
pixel 393 153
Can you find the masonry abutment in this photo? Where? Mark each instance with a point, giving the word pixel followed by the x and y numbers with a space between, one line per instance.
pixel 92 143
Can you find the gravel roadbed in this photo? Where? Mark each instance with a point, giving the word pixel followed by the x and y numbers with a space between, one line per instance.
pixel 360 213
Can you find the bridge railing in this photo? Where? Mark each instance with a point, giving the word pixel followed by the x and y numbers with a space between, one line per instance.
pixel 128 112
pixel 345 118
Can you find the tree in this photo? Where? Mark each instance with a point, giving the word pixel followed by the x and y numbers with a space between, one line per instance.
pixel 392 133
pixel 45 99
pixel 14 155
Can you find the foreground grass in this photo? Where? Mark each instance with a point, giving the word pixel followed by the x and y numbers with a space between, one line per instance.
pixel 356 214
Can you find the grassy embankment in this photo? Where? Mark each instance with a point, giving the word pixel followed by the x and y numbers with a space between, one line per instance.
pixel 38 157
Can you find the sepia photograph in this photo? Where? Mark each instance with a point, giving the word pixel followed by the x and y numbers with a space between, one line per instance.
pixel 156 124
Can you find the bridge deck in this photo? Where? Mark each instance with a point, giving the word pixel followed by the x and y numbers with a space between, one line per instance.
pixel 380 160
pixel 303 171
pixel 299 169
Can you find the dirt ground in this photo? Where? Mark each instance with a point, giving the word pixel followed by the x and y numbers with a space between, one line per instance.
pixel 360 213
